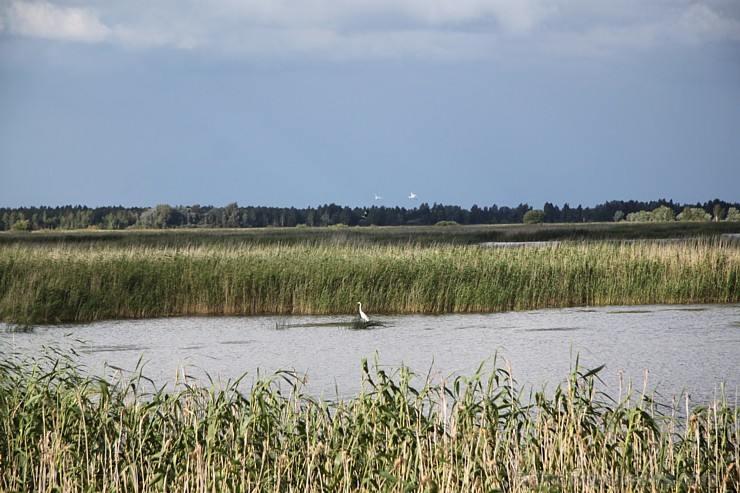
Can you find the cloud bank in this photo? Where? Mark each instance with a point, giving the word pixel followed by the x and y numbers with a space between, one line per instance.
pixel 377 29
pixel 45 20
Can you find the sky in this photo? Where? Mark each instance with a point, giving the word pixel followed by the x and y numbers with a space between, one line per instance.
pixel 309 102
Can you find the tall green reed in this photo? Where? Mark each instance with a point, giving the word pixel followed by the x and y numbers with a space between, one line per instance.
pixel 49 283
pixel 63 430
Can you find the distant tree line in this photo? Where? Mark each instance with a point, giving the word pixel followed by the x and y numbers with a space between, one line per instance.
pixel 233 216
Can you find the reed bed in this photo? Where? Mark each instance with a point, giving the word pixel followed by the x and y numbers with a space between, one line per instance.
pixel 55 283
pixel 61 430
pixel 471 234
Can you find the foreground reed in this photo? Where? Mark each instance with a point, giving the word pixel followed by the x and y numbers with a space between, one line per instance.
pixel 52 283
pixel 63 431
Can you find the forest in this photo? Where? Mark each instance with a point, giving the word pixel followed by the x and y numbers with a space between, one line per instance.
pixel 163 216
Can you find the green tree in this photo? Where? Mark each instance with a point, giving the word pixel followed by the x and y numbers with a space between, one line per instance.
pixel 534 216
pixel 662 214
pixel 552 213
pixel 638 217
pixel 159 217
pixel 22 226
pixel 694 214
pixel 719 212
pixel 733 214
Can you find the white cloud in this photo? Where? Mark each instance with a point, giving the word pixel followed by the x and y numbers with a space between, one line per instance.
pixel 381 15
pixel 699 23
pixel 693 24
pixel 148 37
pixel 44 20
pixel 376 29
pixel 336 46
pixel 509 16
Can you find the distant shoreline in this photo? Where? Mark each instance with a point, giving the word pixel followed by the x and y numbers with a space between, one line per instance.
pixel 386 235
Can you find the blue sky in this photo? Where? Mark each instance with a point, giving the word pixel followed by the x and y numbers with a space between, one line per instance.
pixel 308 102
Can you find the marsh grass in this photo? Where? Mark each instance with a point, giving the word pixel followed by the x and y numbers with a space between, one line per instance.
pixel 54 283
pixel 373 235
pixel 63 431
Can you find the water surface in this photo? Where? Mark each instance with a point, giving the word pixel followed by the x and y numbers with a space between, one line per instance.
pixel 691 348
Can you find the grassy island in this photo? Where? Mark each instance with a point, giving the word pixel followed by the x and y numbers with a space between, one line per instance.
pixel 42 282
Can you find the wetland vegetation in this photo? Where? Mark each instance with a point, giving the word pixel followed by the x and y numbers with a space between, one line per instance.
pixel 443 233
pixel 65 431
pixel 62 429
pixel 67 281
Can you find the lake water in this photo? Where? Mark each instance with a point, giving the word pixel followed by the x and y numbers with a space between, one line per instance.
pixel 691 348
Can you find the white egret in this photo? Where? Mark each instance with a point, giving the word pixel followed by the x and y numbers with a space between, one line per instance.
pixel 364 317
pixel 412 196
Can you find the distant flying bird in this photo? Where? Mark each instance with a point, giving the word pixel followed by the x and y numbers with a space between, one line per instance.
pixel 378 197
pixel 364 317
pixel 412 196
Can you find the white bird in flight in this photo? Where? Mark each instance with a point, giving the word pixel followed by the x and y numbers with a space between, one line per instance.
pixel 378 197
pixel 412 196
pixel 364 317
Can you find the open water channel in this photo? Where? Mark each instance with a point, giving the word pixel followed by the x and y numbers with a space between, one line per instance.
pixel 683 348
